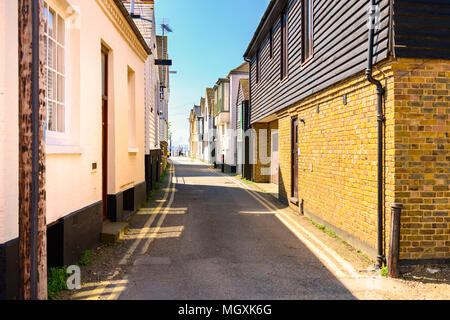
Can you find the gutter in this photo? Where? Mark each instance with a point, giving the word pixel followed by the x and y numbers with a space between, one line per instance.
pixel 381 257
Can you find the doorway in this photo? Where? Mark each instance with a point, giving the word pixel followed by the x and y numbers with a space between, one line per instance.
pixel 104 63
pixel 294 161
pixel 274 158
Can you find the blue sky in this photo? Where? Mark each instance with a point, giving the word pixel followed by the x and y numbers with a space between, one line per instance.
pixel 209 39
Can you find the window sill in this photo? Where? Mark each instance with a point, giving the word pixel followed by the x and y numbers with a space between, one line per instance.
pixel 284 80
pixel 133 150
pixel 63 149
pixel 306 63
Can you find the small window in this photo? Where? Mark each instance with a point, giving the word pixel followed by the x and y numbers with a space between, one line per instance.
pixel 271 43
pixel 54 38
pixel 247 116
pixel 131 108
pixel 308 28
pixel 284 44
pixel 258 67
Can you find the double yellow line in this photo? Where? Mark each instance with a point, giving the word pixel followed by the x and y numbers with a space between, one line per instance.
pixel 111 289
pixel 145 230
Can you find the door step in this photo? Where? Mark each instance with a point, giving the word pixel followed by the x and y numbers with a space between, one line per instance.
pixel 114 232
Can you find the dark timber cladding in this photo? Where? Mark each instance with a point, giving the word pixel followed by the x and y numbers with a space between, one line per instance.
pixel 339 51
pixel 422 28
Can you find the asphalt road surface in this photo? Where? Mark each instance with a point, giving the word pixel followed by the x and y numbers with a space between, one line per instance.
pixel 218 242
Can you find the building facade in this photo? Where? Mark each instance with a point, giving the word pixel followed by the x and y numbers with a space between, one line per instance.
pixel 164 93
pixel 147 27
pixel 197 130
pixel 243 133
pixel 311 80
pixel 94 68
pixel 209 135
pixel 234 76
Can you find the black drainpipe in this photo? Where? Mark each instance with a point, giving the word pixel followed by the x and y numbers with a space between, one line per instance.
pixel 250 165
pixel 381 258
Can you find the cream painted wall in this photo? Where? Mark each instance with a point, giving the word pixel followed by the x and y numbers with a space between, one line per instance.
pixel 9 132
pixel 71 182
pixel 128 167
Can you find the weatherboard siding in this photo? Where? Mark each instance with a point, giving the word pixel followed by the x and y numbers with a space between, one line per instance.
pixel 422 28
pixel 340 50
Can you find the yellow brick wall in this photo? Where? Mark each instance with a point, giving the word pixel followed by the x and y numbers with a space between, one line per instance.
pixel 422 142
pixel 338 155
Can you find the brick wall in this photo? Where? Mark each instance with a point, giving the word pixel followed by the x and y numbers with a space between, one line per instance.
pixel 338 156
pixel 422 161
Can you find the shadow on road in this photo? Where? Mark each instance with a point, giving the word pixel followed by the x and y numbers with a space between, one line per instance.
pixel 216 242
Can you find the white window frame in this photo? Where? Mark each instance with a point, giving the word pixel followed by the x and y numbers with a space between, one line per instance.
pixel 55 138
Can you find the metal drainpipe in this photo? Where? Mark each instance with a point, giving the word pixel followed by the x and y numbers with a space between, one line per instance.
pixel 35 153
pixel 381 258
pixel 248 107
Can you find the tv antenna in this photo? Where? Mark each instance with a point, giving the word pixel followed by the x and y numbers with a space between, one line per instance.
pixel 165 27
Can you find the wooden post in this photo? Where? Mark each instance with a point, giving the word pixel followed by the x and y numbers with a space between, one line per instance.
pixel 32 115
pixel 394 244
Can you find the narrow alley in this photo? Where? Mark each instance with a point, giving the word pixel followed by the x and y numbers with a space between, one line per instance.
pixel 211 236
pixel 166 150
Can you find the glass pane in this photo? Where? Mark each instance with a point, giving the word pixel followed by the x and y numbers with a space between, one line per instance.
pixel 51 115
pixel 60 59
pixel 45 14
pixel 61 89
pixel 51 23
pixel 51 84
pixel 61 121
pixel 45 46
pixel 61 31
pixel 51 54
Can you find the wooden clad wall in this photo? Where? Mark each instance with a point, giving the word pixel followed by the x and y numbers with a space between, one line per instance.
pixel 422 28
pixel 340 50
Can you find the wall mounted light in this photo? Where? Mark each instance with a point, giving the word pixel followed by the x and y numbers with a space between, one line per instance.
pixel 345 99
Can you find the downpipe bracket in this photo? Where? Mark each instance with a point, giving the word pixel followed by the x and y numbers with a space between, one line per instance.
pixel 381 118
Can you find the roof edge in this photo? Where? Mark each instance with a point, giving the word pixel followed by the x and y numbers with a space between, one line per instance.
pixel 133 26
pixel 260 26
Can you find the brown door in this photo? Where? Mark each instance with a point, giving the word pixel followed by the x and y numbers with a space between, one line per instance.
pixel 294 162
pixel 105 132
